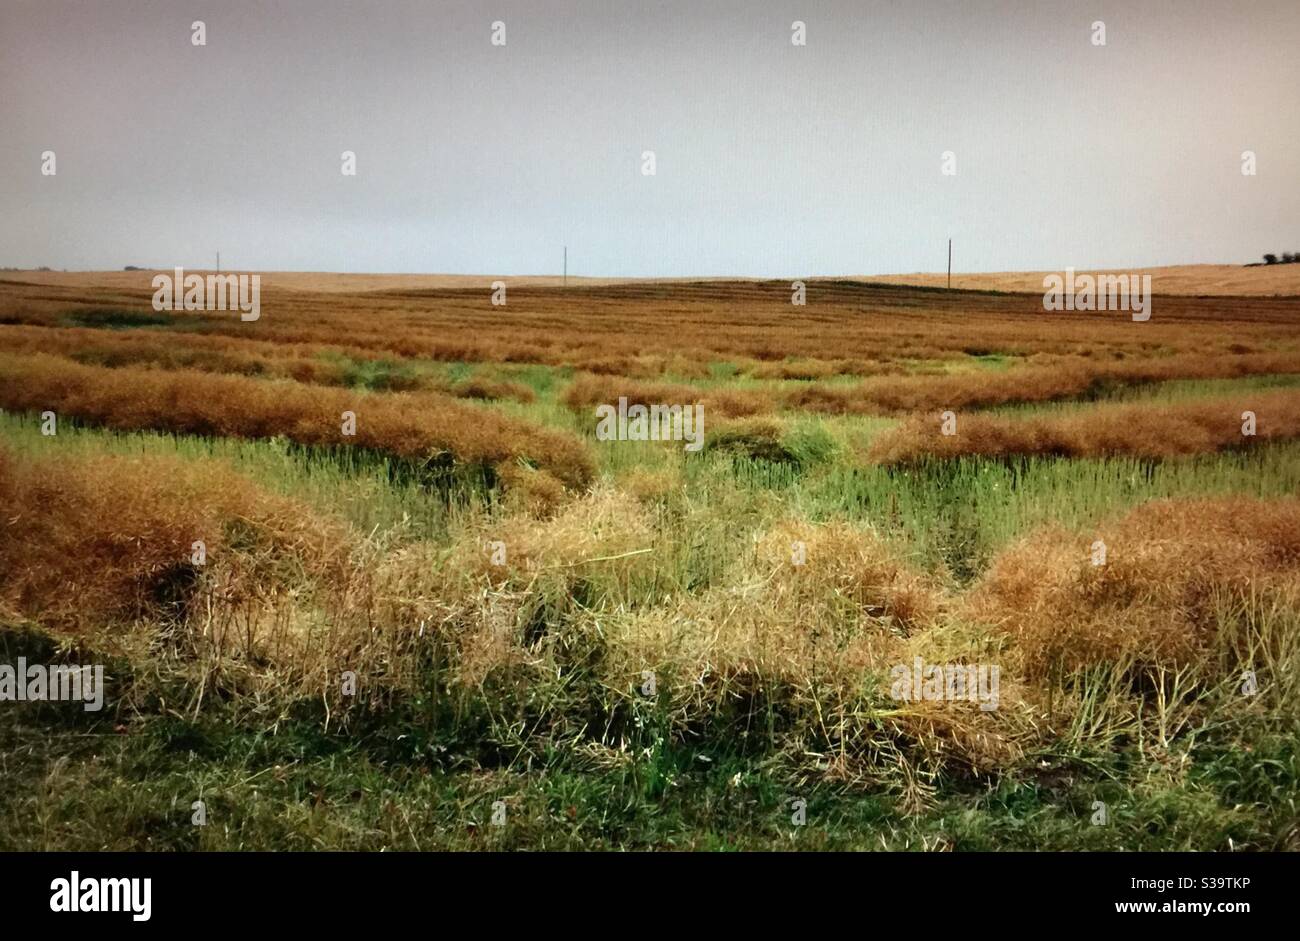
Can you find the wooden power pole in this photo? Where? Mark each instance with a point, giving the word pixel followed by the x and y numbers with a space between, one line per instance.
pixel 950 264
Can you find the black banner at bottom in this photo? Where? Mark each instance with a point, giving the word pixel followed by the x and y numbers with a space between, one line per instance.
pixel 335 889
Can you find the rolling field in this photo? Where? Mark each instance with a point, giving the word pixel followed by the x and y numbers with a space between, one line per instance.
pixel 467 621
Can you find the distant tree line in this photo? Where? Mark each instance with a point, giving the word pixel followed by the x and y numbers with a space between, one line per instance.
pixel 1288 258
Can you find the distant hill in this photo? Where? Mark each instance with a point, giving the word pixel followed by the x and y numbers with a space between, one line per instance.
pixel 1226 280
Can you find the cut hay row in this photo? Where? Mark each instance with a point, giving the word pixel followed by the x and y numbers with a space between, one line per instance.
pixel 588 391
pixel 93 542
pixel 897 395
pixel 229 355
pixel 416 426
pixel 1150 587
pixel 1057 379
pixel 1064 378
pixel 1137 430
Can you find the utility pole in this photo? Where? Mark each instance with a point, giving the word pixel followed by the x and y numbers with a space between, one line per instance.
pixel 566 266
pixel 949 264
pixel 218 262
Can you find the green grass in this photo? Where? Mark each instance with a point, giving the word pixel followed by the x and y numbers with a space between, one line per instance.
pixel 374 375
pixel 122 318
pixel 127 778
pixel 964 511
pixel 544 380
pixel 995 362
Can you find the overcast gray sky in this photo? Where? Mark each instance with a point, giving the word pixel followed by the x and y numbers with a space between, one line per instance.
pixel 772 160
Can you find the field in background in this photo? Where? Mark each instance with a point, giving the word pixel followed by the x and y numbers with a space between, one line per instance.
pixel 1210 280
pixel 613 639
pixel 1230 280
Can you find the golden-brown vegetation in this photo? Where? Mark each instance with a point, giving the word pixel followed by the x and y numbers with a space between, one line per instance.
pixel 96 543
pixel 315 365
pixel 641 329
pixel 587 392
pixel 1044 379
pixel 90 543
pixel 1170 571
pixel 1140 430
pixel 769 583
pixel 419 426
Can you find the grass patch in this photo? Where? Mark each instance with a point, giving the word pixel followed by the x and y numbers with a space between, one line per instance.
pixel 127 779
pixel 122 318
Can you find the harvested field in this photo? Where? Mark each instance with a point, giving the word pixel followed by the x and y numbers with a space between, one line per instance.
pixel 641 329
pixel 512 585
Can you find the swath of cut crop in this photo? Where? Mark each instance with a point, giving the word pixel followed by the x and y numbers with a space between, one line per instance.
pixel 1064 378
pixel 228 355
pixel 587 392
pixel 88 542
pixel 1139 430
pixel 409 425
pixel 1170 566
